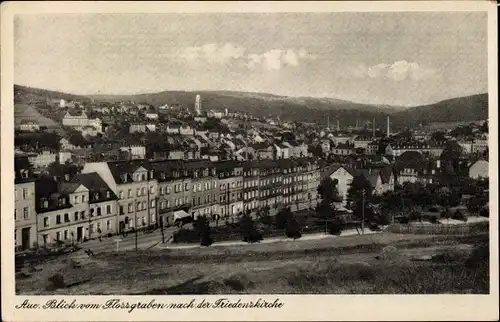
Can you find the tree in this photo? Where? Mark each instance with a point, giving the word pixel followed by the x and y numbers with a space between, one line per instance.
pixel 315 150
pixel 359 195
pixel 249 232
pixel 292 228
pixel 282 217
pixel 325 210
pixel 438 136
pixel 264 216
pixel 476 204
pixel 450 157
pixel 202 228
pixel 328 191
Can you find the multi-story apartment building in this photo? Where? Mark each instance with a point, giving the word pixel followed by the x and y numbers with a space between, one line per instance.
pixel 135 184
pixel 230 174
pixel 292 186
pixel 25 229
pixel 102 210
pixel 270 181
pixel 251 185
pixel 205 194
pixel 174 190
pixel 57 202
pixel 310 178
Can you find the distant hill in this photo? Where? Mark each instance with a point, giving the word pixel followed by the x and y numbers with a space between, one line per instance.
pixel 461 109
pixel 31 95
pixel 307 109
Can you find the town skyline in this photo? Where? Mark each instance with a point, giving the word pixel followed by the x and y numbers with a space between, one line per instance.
pixel 420 58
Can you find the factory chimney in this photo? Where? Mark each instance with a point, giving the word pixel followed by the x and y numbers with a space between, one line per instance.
pixel 373 127
pixel 338 126
pixel 388 127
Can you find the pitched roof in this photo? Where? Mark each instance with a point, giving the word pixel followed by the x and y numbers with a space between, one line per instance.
pixel 385 174
pixel 99 190
pixel 118 168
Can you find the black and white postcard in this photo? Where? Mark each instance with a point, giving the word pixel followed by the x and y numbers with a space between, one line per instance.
pixel 249 161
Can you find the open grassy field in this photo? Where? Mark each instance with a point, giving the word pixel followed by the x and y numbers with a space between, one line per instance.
pixel 372 264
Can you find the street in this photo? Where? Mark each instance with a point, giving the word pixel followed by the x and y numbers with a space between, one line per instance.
pixel 147 240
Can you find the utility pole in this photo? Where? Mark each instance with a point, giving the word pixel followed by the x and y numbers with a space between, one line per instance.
pixel 363 211
pixel 135 224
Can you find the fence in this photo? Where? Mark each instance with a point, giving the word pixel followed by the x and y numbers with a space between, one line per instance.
pixel 440 229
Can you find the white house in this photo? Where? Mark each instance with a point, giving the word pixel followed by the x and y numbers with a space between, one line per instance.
pixel 344 176
pixel 479 169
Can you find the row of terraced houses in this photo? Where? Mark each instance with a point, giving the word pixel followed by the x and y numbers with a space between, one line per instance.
pixel 115 197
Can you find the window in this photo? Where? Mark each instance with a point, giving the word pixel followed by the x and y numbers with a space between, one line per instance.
pixel 108 224
pixel 108 209
pixel 153 203
pixel 98 226
pixel 82 215
pixel 98 211
pixel 121 194
pixel 168 190
pixel 91 228
pixel 58 219
pixel 46 222
pixel 65 235
pixel 130 208
pixel 83 198
pixel 162 191
pixel 25 193
pixel 122 210
pixel 58 236
pixel 143 177
pixel 66 217
pixel 152 189
pixel 75 200
pixel 186 186
pixel 138 192
pixel 108 194
pixel 168 203
pixel 130 193
pixel 144 205
pixel 131 223
pixel 152 218
pixel 138 206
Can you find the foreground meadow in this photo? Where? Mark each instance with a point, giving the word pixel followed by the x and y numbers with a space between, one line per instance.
pixel 370 264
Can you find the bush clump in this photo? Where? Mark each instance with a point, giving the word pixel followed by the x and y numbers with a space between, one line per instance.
pixel 458 215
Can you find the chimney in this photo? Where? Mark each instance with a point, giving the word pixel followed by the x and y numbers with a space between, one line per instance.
pixel 338 126
pixel 388 127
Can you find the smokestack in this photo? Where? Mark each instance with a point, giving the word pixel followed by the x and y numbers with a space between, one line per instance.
pixel 328 121
pixel 338 125
pixel 388 127
pixel 356 124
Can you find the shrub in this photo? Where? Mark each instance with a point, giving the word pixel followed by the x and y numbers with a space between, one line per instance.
pixel 249 232
pixel 202 228
pixel 458 215
pixel 415 215
pixel 335 227
pixel 433 219
pixel 292 229
pixel 57 281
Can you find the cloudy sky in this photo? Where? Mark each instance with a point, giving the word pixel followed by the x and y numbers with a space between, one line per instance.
pixel 381 58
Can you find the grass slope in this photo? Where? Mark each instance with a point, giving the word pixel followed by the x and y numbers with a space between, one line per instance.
pixel 347 265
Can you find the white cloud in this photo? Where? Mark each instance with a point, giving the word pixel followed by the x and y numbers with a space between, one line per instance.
pixel 213 53
pixel 397 71
pixel 275 59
